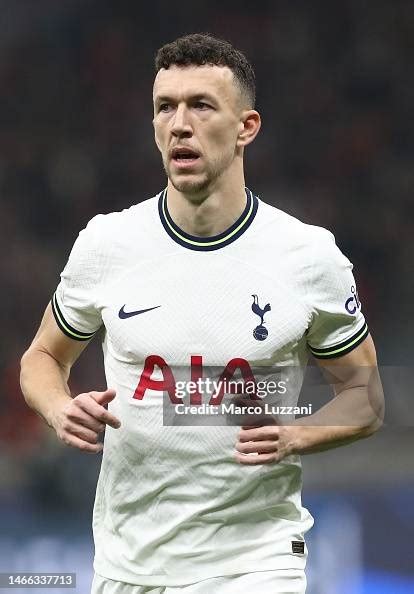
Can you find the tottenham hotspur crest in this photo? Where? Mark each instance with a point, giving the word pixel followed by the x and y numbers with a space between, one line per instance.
pixel 260 332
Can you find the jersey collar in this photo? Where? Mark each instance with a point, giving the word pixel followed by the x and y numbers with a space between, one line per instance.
pixel 215 242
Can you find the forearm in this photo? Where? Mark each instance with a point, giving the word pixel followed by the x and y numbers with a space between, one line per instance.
pixel 310 440
pixel 357 411
pixel 353 414
pixel 44 383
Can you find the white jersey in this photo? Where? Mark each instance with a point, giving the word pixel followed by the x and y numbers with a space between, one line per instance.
pixel 172 504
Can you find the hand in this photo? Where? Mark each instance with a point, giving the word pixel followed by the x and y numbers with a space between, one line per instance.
pixel 268 443
pixel 81 419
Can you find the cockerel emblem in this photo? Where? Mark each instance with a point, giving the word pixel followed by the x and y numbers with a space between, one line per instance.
pixel 260 332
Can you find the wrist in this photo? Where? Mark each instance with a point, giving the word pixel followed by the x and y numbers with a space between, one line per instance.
pixel 296 439
pixel 52 413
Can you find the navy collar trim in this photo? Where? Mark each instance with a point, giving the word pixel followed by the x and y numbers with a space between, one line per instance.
pixel 207 244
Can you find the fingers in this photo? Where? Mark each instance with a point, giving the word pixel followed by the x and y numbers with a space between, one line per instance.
pixel 91 403
pixel 251 460
pixel 80 431
pixel 258 433
pixel 83 418
pixel 258 445
pixel 80 444
pixel 261 447
pixel 79 416
pixel 105 397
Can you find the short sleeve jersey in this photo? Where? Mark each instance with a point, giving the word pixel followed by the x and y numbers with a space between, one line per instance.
pixel 172 505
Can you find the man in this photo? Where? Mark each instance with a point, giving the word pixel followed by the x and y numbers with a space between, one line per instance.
pixel 203 274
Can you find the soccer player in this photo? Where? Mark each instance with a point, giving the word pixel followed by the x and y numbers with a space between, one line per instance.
pixel 204 274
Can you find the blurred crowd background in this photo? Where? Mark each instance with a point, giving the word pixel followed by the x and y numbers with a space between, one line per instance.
pixel 336 94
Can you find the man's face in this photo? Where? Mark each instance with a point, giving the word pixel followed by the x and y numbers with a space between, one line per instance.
pixel 197 119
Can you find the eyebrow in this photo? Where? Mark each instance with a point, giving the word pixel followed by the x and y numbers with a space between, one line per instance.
pixel 197 97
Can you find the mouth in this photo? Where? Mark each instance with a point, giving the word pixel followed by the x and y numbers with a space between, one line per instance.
pixel 184 156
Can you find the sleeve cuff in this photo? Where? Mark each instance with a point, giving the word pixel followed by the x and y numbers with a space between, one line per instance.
pixel 343 348
pixel 66 328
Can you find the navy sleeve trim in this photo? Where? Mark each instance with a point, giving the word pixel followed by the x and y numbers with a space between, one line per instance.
pixel 342 348
pixel 65 326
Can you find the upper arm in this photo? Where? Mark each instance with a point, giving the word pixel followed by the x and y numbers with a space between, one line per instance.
pixel 50 340
pixel 353 369
pixel 357 373
pixel 337 324
pixel 338 335
pixel 72 317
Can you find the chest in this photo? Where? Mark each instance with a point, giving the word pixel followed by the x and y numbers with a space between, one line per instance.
pixel 210 306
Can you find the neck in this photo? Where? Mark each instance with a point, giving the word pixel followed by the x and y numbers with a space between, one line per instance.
pixel 210 212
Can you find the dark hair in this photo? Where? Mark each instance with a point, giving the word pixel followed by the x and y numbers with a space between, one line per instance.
pixel 201 48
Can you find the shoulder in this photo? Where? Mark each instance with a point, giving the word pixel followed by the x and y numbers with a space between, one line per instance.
pixel 120 221
pixel 102 245
pixel 294 232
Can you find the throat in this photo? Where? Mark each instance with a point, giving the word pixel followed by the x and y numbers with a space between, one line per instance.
pixel 208 218
pixel 201 226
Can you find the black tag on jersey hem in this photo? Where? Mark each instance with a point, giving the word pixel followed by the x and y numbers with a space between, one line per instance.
pixel 298 547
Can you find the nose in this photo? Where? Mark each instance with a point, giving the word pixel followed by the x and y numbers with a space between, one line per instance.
pixel 181 124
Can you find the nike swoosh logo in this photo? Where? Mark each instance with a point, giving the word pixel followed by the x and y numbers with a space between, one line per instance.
pixel 128 314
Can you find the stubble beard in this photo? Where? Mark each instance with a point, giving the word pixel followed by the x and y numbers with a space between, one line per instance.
pixel 194 186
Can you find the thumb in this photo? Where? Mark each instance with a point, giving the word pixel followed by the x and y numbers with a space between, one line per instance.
pixel 103 398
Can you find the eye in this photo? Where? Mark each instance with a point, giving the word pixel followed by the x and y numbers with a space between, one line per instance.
pixel 164 107
pixel 201 105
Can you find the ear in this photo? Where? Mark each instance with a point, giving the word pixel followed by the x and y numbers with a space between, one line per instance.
pixel 249 127
pixel 157 142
